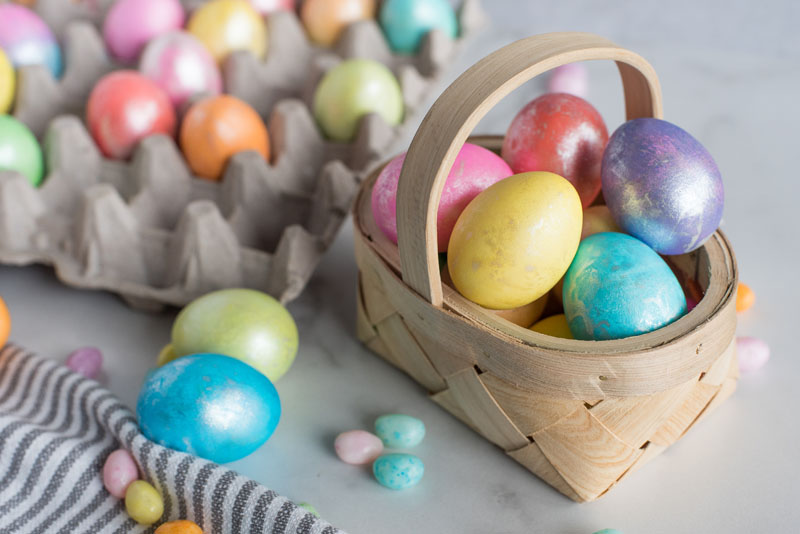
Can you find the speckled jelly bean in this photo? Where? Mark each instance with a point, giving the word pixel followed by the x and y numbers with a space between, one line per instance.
pixel 87 361
pixel 181 526
pixel 143 503
pixel 357 447
pixel 119 472
pixel 398 471
pixel 398 431
pixel 608 531
pixel 307 507
pixel 753 353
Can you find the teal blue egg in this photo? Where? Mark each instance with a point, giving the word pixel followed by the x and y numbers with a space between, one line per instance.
pixel 618 287
pixel 406 22
pixel 398 471
pixel 209 405
pixel 399 431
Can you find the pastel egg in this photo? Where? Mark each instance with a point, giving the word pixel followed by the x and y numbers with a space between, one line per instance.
pixel 406 22
pixel 181 526
pixel 20 151
pixel 266 7
pixel 608 531
pixel 165 355
pixel 515 240
pixel 5 322
pixel 216 128
pixel 182 66
pixel 357 447
pixel 351 90
pixel 27 40
pixel 242 323
pixel 227 26
pixel 752 352
pixel 325 20
pixel 400 431
pixel 124 108
pixel 8 82
pixel 87 361
pixel 474 169
pixel 571 78
pixel 618 287
pixel 555 326
pixel 143 503
pixel 662 185
pixel 559 133
pixel 745 297
pixel 398 471
pixel 119 471
pixel 209 405
pixel 130 24
pixel 308 508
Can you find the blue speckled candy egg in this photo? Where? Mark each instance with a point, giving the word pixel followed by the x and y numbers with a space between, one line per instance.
pixel 662 185
pixel 398 431
pixel 398 471
pixel 210 405
pixel 618 287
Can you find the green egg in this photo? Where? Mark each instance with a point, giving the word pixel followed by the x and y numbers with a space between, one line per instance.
pixel 20 151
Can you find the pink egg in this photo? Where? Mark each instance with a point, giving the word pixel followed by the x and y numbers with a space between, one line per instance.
pixel 182 66
pixel 118 472
pixel 130 24
pixel 357 447
pixel 268 6
pixel 475 169
pixel 87 361
pixel 571 78
pixel 752 352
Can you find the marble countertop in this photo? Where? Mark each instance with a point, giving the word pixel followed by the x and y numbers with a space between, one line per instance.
pixel 729 72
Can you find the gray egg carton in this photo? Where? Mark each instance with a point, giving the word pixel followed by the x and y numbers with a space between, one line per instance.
pixel 153 233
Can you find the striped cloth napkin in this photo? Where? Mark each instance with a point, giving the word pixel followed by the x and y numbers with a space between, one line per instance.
pixel 56 430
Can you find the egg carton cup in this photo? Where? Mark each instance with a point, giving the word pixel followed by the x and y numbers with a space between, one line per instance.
pixel 152 232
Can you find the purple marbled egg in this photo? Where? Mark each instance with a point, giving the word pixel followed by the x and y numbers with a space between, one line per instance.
pixel 662 185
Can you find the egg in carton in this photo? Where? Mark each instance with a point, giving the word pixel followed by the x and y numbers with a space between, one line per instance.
pixel 149 230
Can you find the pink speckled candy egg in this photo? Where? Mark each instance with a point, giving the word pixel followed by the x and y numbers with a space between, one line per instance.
pixel 130 24
pixel 182 66
pixel 571 79
pixel 753 353
pixel 119 472
pixel 475 169
pixel 266 7
pixel 87 361
pixel 357 447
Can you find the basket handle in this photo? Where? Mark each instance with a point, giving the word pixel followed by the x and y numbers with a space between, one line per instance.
pixel 459 109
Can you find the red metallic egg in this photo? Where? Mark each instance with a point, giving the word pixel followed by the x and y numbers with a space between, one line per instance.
pixel 125 107
pixel 559 133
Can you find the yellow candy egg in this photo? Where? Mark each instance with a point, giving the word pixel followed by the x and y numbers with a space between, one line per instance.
pixel 143 503
pixel 7 83
pixel 555 325
pixel 226 26
pixel 515 240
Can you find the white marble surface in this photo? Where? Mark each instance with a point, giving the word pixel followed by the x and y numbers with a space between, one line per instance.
pixel 730 73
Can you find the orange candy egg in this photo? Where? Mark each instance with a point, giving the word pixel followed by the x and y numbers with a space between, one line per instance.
pixel 215 129
pixel 5 323
pixel 744 297
pixel 325 20
pixel 181 526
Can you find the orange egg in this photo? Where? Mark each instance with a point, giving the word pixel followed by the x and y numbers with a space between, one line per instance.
pixel 5 323
pixel 215 129
pixel 325 20
pixel 181 526
pixel 744 297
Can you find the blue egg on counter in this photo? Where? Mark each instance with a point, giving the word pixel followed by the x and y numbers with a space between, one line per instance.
pixel 398 471
pixel 209 405
pixel 619 287
pixel 399 431
pixel 406 22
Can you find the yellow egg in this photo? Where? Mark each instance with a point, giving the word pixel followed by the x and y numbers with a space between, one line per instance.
pixel 515 240
pixel 555 325
pixel 226 26
pixel 7 82
pixel 143 503
pixel 166 355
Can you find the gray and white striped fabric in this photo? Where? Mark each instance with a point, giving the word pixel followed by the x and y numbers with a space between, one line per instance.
pixel 56 430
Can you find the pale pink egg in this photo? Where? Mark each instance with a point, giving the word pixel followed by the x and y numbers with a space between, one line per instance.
pixel 475 169
pixel 130 24
pixel 268 6
pixel 357 447
pixel 118 472
pixel 753 353
pixel 571 78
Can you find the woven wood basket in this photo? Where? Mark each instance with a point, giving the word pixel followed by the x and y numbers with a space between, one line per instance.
pixel 581 415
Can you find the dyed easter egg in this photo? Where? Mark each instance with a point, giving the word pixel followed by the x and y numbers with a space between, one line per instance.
pixel 357 447
pixel 514 241
pixel 209 405
pixel 752 353
pixel 555 325
pixel 662 186
pixel 398 471
pixel 124 108
pixel 325 20
pixel 119 471
pixel 131 24
pixel 216 128
pixel 8 83
pixel 143 503
pixel 181 526
pixel 86 361
pixel 406 22
pixel 598 219
pixel 400 431
pixel 27 40
pixel 182 66
pixel 242 323
pixel 745 297
pixel 571 78
pixel 226 26
pixel 352 89
pixel 559 133
pixel 474 170
pixel 266 7
pixel 20 151
pixel 5 322
pixel 618 287
pixel 166 354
